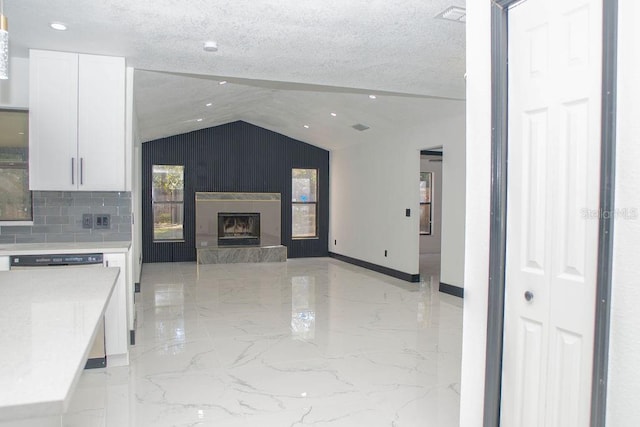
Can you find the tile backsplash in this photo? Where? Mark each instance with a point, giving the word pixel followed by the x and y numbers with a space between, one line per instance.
pixel 57 217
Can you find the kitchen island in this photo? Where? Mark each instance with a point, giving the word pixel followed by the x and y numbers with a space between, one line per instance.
pixel 120 314
pixel 48 321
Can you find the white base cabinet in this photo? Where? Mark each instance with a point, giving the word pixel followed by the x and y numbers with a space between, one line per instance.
pixel 76 122
pixel 116 316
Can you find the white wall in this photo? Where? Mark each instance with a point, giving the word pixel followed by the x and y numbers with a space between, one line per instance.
pixel 134 176
pixel 476 269
pixel 373 183
pixel 14 92
pixel 430 244
pixel 453 209
pixel 624 369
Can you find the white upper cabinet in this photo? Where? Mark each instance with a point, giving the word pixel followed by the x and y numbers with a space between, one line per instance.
pixel 76 122
pixel 53 120
pixel 101 119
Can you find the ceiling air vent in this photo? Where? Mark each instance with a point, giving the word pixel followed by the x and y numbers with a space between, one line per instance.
pixel 360 127
pixel 453 13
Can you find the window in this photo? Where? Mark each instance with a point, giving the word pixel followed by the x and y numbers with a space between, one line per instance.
pixel 426 182
pixel 168 202
pixel 304 201
pixel 15 197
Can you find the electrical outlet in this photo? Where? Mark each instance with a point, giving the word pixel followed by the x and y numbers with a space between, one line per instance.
pixel 87 221
pixel 407 212
pixel 102 221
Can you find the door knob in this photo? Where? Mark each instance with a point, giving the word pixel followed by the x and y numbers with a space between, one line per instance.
pixel 528 295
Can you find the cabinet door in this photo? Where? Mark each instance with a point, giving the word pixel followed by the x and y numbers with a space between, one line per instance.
pixel 53 120
pixel 116 334
pixel 101 123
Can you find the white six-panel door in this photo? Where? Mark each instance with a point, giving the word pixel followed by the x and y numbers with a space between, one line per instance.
pixel 554 96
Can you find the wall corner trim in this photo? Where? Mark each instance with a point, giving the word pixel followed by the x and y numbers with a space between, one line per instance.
pixel 413 278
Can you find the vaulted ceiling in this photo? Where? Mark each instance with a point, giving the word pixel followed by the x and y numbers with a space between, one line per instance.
pixel 287 63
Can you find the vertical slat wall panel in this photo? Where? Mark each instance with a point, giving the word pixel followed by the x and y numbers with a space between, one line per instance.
pixel 236 157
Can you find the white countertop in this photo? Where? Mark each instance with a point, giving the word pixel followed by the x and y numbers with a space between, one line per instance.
pixel 48 319
pixel 64 248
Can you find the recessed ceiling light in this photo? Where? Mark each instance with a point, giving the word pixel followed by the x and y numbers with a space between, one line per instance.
pixel 210 46
pixel 198 120
pixel 224 82
pixel 333 114
pixel 20 133
pixel 372 96
pixel 59 26
pixel 306 126
pixel 453 13
pixel 209 104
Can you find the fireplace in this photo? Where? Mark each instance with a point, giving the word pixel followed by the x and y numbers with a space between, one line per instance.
pixel 238 229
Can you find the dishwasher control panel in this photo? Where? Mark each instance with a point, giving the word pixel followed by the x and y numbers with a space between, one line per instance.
pixel 49 260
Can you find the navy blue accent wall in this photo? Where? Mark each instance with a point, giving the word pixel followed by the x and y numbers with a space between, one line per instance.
pixel 236 157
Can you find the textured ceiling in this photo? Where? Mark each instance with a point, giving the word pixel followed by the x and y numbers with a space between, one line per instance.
pixel 281 107
pixel 288 61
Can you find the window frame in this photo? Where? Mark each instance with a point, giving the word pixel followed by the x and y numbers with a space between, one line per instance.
pixel 308 203
pixel 155 203
pixel 429 204
pixel 22 165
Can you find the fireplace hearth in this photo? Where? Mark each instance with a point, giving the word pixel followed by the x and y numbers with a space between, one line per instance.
pixel 238 229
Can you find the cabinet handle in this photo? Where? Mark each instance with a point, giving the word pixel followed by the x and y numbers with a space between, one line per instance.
pixel 81 170
pixel 73 170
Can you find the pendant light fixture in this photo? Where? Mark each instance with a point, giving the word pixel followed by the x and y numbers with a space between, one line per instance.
pixel 4 44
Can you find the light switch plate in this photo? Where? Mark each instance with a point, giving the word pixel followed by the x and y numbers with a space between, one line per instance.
pixel 102 221
pixel 87 221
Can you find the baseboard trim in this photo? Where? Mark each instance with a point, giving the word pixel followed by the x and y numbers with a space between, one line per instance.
pixel 95 363
pixel 414 278
pixel 456 291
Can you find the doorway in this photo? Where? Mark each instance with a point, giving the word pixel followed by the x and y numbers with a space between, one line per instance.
pixel 552 246
pixel 551 366
pixel 430 214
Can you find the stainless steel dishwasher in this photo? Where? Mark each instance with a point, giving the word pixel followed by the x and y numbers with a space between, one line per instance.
pixel 97 356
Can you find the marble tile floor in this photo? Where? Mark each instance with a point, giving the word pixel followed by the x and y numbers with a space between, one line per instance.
pixel 429 266
pixel 309 342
